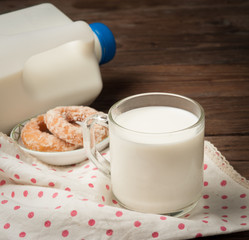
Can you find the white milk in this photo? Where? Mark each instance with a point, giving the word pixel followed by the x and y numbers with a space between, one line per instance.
pixel 153 169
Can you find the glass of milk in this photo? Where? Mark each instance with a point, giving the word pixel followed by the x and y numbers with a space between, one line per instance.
pixel 156 145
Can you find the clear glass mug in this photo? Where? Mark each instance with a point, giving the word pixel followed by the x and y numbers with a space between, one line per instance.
pixel 158 172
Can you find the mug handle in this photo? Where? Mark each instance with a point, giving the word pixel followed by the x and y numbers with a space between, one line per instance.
pixel 89 142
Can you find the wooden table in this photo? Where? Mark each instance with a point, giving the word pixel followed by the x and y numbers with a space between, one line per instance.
pixel 199 49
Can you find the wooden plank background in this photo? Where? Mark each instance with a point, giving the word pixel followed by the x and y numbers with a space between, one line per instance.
pixel 197 48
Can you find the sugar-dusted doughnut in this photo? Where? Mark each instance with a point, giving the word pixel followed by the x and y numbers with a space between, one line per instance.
pixel 36 136
pixel 61 122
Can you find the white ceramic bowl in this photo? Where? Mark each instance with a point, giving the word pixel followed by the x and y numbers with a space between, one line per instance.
pixel 54 158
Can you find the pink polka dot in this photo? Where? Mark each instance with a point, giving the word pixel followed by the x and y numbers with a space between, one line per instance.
pixel 224 207
pixel 91 185
pixel 93 176
pixel 224 197
pixel 243 207
pixel 13 194
pixel 206 207
pixel 163 218
pixel 64 233
pixel 69 196
pixel 243 224
pixel 2 182
pixel 40 194
pixel 47 223
pixel 114 201
pixel 4 201
pixel 25 193
pixel 103 198
pixel 109 232
pixel 6 226
pixel 101 205
pixel 1 170
pixel 17 156
pixel 17 176
pixel 243 216
pixel 198 235
pixel 91 222
pixel 74 213
pixel 67 189
pixel 137 223
pixel 225 216
pixel 205 221
pixel 206 196
pixel 33 180
pixel 31 215
pixel 51 184
pixel 205 183
pixel 224 220
pixel 181 226
pixel 16 207
pixel 119 213
pixel 155 234
pixel 70 171
pixel 243 195
pixel 205 166
pixel 107 186
pixel 22 234
pixel 55 195
pixel 223 183
pixel 58 207
pixel 223 229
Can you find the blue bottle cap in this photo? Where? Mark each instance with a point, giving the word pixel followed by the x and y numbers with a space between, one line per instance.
pixel 107 41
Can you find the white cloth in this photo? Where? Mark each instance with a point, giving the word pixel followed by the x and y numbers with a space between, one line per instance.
pixel 39 201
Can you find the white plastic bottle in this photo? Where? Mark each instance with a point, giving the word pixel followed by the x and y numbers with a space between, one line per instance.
pixel 47 60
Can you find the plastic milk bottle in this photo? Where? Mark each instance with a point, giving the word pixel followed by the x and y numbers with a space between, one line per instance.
pixel 47 60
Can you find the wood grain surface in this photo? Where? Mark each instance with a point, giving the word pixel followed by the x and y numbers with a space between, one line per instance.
pixel 197 48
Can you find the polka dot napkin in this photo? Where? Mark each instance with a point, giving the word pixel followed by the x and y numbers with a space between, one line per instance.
pixel 38 201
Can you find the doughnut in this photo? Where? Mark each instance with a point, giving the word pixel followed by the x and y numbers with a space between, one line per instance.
pixel 35 136
pixel 61 122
